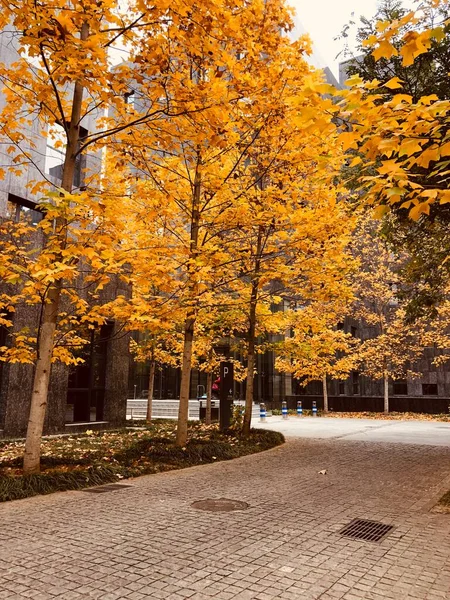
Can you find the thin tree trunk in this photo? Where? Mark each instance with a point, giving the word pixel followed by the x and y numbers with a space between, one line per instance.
pixel 325 394
pixel 249 391
pixel 31 459
pixel 183 410
pixel 151 385
pixel 209 377
pixel 386 392
pixel 50 310
pixel 189 325
pixel 251 337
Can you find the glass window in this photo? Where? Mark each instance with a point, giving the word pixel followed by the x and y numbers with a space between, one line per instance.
pixel 400 387
pixel 355 383
pixel 20 209
pixel 429 389
pixel 86 386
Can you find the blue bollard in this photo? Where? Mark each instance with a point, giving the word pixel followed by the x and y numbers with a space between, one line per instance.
pixel 262 413
pixel 284 409
pixel 314 408
pixel 299 408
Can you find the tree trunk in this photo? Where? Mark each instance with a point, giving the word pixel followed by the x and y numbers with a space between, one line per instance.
pixel 209 378
pixel 249 391
pixel 251 341
pixel 251 337
pixel 50 310
pixel 325 394
pixel 151 385
pixel 183 410
pixel 386 392
pixel 31 459
pixel 189 325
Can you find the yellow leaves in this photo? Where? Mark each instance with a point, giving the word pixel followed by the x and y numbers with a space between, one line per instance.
pixel 444 197
pixel 429 155
pixel 415 44
pixel 410 146
pixel 384 50
pixel 380 211
pixel 354 81
pixel 356 161
pixel 438 33
pixel 428 100
pixel 399 99
pixel 391 168
pixel 418 210
pixel 349 140
pixel 401 142
pixel 394 83
pixel 444 150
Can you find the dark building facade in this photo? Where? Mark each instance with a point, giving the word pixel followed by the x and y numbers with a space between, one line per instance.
pixel 429 393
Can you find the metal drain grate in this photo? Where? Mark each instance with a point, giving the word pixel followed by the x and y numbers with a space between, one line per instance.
pixel 110 487
pixel 370 531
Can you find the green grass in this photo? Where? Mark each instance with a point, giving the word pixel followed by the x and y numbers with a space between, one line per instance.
pixel 80 461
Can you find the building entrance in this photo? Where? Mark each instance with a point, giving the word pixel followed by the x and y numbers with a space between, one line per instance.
pixel 86 388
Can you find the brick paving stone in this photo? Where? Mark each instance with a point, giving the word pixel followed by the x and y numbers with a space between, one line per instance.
pixel 147 542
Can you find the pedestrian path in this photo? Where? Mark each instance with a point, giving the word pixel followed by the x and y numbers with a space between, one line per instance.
pixel 430 433
pixel 147 541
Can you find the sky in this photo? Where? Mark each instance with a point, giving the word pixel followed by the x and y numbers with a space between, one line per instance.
pixel 324 20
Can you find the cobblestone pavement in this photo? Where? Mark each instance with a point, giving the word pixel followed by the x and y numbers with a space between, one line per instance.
pixel 146 541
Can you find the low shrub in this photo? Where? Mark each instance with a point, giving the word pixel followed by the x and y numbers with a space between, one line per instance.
pixel 16 487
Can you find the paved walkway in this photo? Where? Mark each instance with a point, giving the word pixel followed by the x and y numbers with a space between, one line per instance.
pixel 429 433
pixel 146 541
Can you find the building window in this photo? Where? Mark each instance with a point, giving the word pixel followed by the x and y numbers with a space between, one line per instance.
pixel 400 387
pixel 355 383
pixel 87 380
pixel 353 331
pixel 342 388
pixel 130 98
pixel 340 326
pixel 429 389
pixel 55 155
pixel 20 209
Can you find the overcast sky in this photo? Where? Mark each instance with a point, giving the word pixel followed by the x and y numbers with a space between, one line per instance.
pixel 324 20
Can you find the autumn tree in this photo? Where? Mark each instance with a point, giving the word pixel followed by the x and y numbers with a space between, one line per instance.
pixel 427 74
pixel 402 142
pixel 293 227
pixel 63 77
pixel 158 347
pixel 205 170
pixel 318 349
pixel 391 344
pixel 424 241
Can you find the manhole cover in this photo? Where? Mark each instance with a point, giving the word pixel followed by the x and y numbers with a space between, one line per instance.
pixel 102 489
pixel 219 505
pixel 370 531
